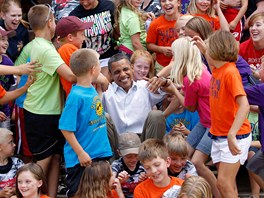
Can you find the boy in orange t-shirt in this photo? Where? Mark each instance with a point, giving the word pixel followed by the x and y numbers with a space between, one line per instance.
pixel 70 33
pixel 154 156
pixel 230 129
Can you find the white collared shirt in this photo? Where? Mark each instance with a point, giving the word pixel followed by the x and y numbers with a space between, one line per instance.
pixel 129 110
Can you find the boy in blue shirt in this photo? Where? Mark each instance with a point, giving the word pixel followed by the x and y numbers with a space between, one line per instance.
pixel 83 121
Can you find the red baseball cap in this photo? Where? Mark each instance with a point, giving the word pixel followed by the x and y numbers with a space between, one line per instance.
pixel 70 24
pixel 10 33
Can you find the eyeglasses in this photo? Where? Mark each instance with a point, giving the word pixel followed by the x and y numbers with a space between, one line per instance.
pixel 50 10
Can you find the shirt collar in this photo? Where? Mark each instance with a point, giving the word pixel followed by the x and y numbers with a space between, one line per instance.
pixel 116 87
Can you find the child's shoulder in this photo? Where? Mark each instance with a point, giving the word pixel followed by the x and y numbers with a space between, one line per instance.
pixel 67 47
pixel 176 181
pixel 159 20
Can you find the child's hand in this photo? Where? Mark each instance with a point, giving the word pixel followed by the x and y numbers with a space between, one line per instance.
pixel 142 177
pixel 123 176
pixel 155 83
pixel 232 144
pixel 254 71
pixel 6 192
pixel 31 79
pixel 2 116
pixel 198 41
pixel 167 51
pixel 181 128
pixel 28 68
pixel 150 15
pixel 117 187
pixel 103 81
pixel 216 4
pixel 84 159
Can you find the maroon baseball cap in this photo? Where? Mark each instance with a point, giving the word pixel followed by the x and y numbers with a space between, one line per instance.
pixel 70 24
pixel 10 33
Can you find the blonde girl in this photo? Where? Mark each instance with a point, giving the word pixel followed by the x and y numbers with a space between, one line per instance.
pixel 98 181
pixel 142 64
pixel 207 9
pixel 191 74
pixel 130 23
pixel 195 186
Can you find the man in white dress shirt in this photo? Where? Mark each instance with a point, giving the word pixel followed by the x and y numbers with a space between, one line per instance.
pixel 130 103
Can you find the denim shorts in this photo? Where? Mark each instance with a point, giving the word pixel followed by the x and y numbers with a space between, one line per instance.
pixel 199 139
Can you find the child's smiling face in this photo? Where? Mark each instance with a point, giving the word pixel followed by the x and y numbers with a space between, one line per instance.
pixel 170 7
pixel 141 68
pixel 28 185
pixel 203 5
pixel 3 44
pixel 177 163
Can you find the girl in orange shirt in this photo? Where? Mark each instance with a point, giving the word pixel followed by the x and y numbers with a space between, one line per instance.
pixel 207 9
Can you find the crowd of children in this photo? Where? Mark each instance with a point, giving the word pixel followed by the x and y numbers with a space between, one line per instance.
pixel 166 92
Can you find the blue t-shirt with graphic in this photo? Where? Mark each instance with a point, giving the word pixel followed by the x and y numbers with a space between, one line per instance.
pixel 189 119
pixel 84 116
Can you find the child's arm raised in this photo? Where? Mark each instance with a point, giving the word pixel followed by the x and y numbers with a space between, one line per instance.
pixel 241 115
pixel 83 157
pixel 11 95
pixel 223 22
pixel 21 69
pixel 240 14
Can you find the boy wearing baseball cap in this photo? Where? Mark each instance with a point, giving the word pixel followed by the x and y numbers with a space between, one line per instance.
pixel 127 168
pixel 70 33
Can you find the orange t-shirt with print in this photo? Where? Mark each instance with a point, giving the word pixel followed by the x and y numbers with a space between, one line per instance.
pixel 65 52
pixel 162 33
pixel 225 86
pixel 147 189
pixel 214 21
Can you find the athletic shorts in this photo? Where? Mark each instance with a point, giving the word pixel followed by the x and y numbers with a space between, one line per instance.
pixel 20 138
pixel 221 153
pixel 44 137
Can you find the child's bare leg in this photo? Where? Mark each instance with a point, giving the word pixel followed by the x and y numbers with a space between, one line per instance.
pixel 258 179
pixel 199 160
pixel 48 169
pixel 255 189
pixel 53 175
pixel 226 179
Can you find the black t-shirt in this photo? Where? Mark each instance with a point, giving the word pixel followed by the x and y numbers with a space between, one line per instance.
pixel 100 36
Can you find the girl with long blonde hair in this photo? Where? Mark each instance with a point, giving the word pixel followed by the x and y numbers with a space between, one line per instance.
pixel 191 75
